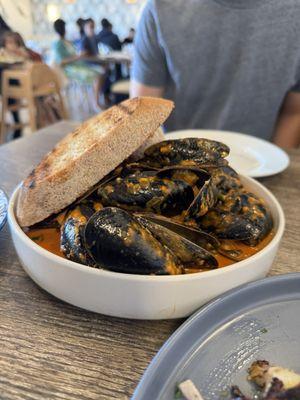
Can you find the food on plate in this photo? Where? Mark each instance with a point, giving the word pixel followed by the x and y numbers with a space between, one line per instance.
pixel 277 383
pixel 262 373
pixel 274 383
pixel 113 195
pixel 188 391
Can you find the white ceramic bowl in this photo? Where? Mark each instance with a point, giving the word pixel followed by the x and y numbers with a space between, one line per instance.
pixel 141 296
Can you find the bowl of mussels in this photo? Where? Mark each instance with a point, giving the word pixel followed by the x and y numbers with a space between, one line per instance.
pixel 157 237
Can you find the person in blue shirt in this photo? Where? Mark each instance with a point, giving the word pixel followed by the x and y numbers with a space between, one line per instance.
pixel 89 41
pixel 107 37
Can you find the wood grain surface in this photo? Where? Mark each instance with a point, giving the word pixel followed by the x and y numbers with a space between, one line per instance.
pixel 51 350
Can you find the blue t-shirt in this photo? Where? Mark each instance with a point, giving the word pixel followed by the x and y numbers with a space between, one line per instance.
pixel 227 64
pixel 89 45
pixel 110 39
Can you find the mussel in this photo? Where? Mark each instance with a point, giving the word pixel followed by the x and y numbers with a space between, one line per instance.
pixel 240 216
pixel 190 253
pixel 188 151
pixel 147 191
pixel 71 242
pixel 118 242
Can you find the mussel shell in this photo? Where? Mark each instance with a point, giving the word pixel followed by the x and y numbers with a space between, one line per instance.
pixel 195 235
pixel 255 210
pixel 190 254
pixel 204 201
pixel 227 225
pixel 225 179
pixel 146 191
pixel 118 242
pixel 71 241
pixel 200 151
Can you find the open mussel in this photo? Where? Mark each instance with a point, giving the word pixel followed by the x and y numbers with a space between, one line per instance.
pixel 205 193
pixel 118 242
pixel 193 248
pixel 195 235
pixel 187 151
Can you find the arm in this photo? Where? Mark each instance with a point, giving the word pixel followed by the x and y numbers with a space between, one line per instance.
pixel 69 60
pixel 61 55
pixel 149 70
pixel 287 130
pixel 139 89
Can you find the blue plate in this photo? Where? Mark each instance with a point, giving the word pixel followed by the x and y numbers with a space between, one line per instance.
pixel 3 208
pixel 215 346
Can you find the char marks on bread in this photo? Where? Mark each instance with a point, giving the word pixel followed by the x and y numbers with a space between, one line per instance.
pixel 86 155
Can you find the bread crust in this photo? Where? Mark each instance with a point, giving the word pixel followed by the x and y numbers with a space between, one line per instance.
pixel 86 155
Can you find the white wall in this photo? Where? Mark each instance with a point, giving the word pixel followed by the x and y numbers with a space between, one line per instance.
pixel 17 14
pixel 122 14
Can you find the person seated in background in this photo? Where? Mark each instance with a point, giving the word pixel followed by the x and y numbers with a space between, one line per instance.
pixel 107 37
pixel 64 55
pixel 80 24
pixel 89 41
pixel 130 38
pixel 14 43
pixel 15 46
pixel 3 29
pixel 223 65
pixel 112 41
pixel 78 38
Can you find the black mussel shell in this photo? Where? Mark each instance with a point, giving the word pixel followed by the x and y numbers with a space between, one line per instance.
pixel 198 151
pixel 118 242
pixel 71 241
pixel 145 191
pixel 189 253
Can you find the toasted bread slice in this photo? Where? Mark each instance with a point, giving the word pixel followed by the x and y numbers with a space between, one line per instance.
pixel 156 137
pixel 85 156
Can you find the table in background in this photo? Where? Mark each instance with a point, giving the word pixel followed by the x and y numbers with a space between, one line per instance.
pixel 52 350
pixel 114 57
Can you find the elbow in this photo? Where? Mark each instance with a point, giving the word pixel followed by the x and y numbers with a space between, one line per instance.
pixel 138 89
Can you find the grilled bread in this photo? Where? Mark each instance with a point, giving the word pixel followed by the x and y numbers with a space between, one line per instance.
pixel 85 156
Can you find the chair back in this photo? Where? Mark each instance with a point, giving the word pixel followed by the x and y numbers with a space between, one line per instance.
pixel 43 79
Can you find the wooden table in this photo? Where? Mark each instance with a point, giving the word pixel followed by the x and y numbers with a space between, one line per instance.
pixel 115 57
pixel 51 350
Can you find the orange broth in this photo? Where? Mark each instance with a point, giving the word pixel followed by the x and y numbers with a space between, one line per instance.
pixel 49 239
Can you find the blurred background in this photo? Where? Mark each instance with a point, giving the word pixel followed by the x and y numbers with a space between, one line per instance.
pixel 82 61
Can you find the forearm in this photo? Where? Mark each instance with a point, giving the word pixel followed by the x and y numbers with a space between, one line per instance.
pixel 69 60
pixel 139 89
pixel 287 131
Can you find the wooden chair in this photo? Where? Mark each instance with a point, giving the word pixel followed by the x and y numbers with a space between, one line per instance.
pixel 25 86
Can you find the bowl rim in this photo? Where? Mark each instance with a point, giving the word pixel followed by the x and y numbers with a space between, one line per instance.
pixel 14 225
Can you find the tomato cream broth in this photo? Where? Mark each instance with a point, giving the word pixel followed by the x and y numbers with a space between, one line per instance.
pixel 49 239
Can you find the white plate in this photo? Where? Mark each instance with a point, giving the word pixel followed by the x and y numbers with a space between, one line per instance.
pixel 249 155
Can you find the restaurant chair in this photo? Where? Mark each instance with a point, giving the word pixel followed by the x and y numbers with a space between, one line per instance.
pixel 25 86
